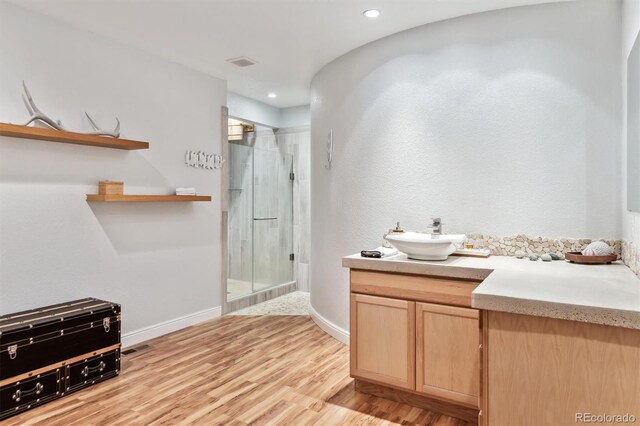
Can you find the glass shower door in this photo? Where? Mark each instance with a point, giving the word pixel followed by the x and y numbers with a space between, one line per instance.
pixel 240 222
pixel 273 219
pixel 260 221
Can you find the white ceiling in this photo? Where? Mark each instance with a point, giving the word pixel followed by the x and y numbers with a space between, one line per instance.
pixel 291 39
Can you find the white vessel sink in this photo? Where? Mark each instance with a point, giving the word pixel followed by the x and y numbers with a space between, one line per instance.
pixel 426 246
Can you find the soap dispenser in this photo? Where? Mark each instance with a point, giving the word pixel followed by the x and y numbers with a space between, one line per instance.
pixel 396 230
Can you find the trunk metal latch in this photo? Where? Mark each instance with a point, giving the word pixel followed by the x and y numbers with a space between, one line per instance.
pixel 13 351
pixel 106 323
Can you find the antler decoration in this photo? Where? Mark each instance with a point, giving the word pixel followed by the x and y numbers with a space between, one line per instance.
pixel 115 133
pixel 37 115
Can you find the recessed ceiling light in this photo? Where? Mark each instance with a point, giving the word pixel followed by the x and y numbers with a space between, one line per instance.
pixel 272 95
pixel 371 13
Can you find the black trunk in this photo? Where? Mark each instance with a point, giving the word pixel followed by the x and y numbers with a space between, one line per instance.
pixel 47 352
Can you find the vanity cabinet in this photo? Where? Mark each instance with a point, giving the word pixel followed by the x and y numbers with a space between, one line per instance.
pixel 555 362
pixel 416 333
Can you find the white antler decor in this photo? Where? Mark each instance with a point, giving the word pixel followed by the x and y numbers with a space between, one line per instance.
pixel 37 115
pixel 115 133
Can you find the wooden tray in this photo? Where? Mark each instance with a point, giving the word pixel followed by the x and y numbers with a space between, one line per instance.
pixel 472 253
pixel 577 257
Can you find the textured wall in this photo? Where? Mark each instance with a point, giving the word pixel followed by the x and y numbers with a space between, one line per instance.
pixel 630 29
pixel 161 261
pixel 504 123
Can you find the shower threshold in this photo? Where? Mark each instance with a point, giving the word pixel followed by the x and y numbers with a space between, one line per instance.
pixel 268 293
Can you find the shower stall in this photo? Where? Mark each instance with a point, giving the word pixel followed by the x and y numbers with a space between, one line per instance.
pixel 260 213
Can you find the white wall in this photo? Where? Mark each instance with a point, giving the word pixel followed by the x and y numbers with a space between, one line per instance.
pixel 261 113
pixel 161 261
pixel 299 116
pixel 503 122
pixel 253 110
pixel 630 29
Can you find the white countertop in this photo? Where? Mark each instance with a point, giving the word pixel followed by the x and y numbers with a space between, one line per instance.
pixel 600 294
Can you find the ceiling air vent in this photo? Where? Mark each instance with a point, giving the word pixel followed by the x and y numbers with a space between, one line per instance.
pixel 242 61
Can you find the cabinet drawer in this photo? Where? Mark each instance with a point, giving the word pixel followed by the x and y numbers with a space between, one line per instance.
pixel 92 370
pixel 413 287
pixel 25 394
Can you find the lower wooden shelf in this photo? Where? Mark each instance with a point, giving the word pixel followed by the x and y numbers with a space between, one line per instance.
pixel 125 198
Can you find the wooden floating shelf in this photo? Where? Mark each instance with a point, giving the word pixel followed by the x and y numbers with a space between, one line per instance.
pixel 52 135
pixel 146 198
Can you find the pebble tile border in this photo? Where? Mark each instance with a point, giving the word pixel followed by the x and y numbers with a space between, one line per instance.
pixel 631 256
pixel 507 246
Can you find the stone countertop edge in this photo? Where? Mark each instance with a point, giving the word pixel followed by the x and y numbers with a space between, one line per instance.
pixel 540 293
pixel 400 264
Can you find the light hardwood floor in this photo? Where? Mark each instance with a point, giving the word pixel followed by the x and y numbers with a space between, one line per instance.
pixel 235 370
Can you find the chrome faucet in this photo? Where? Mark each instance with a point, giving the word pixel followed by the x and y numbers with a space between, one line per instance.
pixel 436 226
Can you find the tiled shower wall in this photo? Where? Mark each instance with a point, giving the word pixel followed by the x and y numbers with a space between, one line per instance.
pixel 239 266
pixel 296 141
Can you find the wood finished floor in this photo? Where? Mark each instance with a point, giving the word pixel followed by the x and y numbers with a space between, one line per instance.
pixel 262 370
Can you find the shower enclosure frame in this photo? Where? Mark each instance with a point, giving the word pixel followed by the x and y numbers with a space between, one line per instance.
pixel 255 297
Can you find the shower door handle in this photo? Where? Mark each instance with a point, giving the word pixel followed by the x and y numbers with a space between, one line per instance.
pixel 265 218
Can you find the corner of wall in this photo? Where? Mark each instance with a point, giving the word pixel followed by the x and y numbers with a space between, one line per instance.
pixel 630 30
pixel 253 110
pixel 134 337
pixel 267 115
pixel 329 327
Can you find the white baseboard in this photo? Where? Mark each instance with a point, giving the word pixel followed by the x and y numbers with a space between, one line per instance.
pixel 330 328
pixel 137 336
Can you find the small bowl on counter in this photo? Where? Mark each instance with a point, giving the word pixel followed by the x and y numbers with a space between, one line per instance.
pixel 578 257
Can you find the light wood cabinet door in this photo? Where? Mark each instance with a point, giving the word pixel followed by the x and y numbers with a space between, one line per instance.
pixel 548 371
pixel 448 353
pixel 383 340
